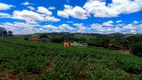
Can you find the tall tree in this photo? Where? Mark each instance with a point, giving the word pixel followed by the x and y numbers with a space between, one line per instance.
pixel 10 33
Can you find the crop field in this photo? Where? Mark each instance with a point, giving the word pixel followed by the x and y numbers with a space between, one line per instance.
pixel 25 60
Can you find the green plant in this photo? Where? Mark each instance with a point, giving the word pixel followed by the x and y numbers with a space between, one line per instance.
pixel 52 61
pixel 137 49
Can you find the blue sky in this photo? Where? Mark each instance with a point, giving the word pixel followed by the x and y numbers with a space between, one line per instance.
pixel 91 16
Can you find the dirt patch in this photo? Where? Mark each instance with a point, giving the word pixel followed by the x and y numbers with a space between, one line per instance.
pixel 123 51
pixel 50 67
pixel 15 76
pixel 8 76
pixel 3 74
pixel 33 76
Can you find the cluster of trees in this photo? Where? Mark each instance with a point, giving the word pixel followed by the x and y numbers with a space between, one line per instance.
pixel 137 49
pixel 3 32
pixel 118 41
pixel 98 40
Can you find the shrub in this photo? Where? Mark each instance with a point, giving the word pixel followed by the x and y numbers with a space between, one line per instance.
pixel 96 44
pixel 43 36
pixel 57 39
pixel 26 38
pixel 10 33
pixel 137 49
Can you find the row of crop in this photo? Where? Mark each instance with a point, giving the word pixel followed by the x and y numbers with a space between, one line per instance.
pixel 70 63
pixel 91 50
pixel 22 42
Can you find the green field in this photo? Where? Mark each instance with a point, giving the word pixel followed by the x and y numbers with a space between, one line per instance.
pixel 27 60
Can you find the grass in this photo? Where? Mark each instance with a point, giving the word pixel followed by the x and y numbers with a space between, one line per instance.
pixel 52 62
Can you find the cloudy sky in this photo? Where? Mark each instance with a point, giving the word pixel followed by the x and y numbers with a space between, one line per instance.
pixel 91 16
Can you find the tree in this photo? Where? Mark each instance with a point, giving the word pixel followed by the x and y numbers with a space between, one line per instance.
pixel 10 33
pixel 57 39
pixel 137 49
pixel 105 41
pixel 26 38
pixel 4 33
pixel 43 36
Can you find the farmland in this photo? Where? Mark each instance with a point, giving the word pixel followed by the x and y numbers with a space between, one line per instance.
pixel 20 59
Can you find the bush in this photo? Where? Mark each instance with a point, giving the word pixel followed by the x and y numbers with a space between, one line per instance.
pixel 137 49
pixel 57 39
pixel 10 33
pixel 96 44
pixel 26 38
pixel 43 36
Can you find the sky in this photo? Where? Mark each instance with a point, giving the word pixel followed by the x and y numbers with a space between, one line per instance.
pixel 83 16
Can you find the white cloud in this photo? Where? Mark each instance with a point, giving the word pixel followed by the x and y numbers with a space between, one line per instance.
pixel 97 27
pixel 133 7
pixel 99 9
pixel 109 23
pixel 30 27
pixel 70 22
pixel 117 7
pixel 65 12
pixel 25 3
pixel 24 25
pixel 80 26
pixel 118 29
pixel 52 19
pixel 135 22
pixel 4 6
pixel 33 16
pixel 8 26
pixel 52 8
pixel 21 28
pixel 44 10
pixel 133 31
pixel 119 21
pixel 32 22
pixel 49 27
pixel 21 25
pixel 62 14
pixel 31 8
pixel 65 27
pixel 129 27
pixel 76 12
pixel 133 28
pixel 120 25
pixel 68 6
pixel 27 15
pixel 5 15
pixel 106 30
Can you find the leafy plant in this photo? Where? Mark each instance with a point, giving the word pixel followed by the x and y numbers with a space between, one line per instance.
pixel 137 49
